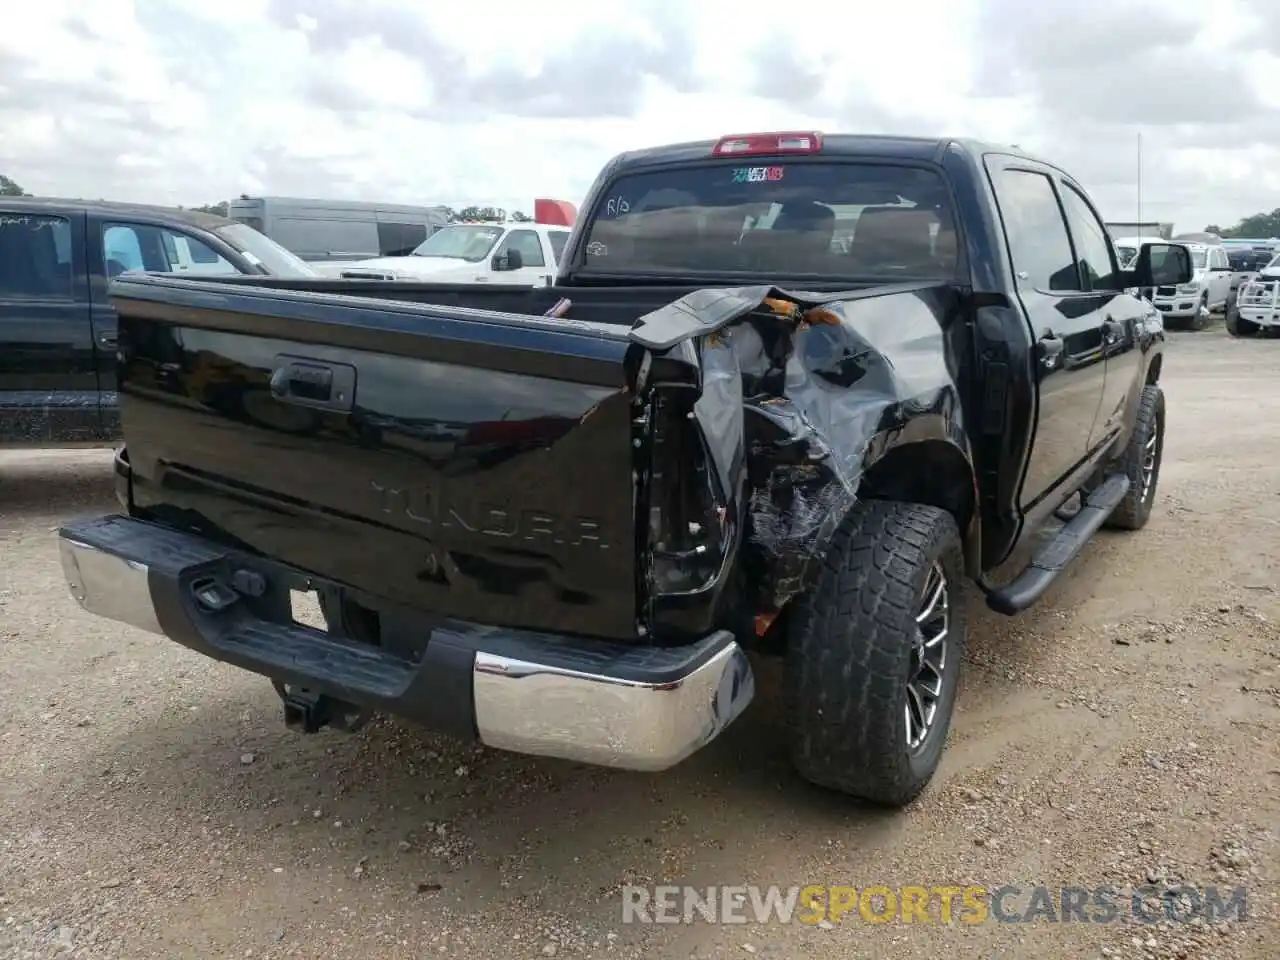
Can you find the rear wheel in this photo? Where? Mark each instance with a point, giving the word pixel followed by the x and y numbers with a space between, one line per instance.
pixel 874 652
pixel 1200 319
pixel 1141 462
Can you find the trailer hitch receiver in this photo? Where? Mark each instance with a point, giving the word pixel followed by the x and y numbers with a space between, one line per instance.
pixel 310 711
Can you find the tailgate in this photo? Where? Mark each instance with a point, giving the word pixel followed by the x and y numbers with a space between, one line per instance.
pixel 467 463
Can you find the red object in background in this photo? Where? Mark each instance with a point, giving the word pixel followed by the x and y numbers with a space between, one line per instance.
pixel 554 213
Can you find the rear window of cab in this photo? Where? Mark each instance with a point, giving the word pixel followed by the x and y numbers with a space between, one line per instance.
pixel 874 221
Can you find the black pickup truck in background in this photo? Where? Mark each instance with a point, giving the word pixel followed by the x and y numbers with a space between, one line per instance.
pixel 788 392
pixel 57 327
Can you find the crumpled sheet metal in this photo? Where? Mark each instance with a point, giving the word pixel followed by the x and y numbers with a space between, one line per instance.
pixel 793 392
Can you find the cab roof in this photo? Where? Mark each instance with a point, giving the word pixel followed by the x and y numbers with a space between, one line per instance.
pixel 929 149
pixel 51 206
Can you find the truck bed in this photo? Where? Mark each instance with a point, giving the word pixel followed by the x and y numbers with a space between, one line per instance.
pixel 614 305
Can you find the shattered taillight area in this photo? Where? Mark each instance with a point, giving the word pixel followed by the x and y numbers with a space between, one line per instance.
pixel 789 399
pixel 800 485
pixel 687 515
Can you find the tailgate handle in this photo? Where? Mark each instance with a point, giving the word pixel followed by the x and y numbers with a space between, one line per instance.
pixel 314 383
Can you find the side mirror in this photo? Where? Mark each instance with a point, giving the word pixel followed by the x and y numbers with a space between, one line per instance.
pixel 1161 265
pixel 511 260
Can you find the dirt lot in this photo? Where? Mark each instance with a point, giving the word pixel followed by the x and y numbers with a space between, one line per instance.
pixel 153 805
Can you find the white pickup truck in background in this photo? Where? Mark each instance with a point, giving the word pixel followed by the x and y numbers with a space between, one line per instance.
pixel 1208 290
pixel 1257 305
pixel 508 252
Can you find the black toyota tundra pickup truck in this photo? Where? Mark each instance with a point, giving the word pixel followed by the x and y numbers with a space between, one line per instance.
pixel 788 392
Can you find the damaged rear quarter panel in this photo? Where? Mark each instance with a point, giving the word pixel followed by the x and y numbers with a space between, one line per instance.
pixel 807 393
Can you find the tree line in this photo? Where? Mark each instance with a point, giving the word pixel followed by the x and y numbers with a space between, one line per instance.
pixel 1260 225
pixel 10 188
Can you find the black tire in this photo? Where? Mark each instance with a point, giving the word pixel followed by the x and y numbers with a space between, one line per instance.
pixel 1135 509
pixel 1237 327
pixel 1200 319
pixel 851 650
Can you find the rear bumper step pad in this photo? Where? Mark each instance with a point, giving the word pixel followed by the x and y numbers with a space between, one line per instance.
pixel 593 701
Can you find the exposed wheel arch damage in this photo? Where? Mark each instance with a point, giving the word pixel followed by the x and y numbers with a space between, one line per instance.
pixel 935 472
pixel 809 402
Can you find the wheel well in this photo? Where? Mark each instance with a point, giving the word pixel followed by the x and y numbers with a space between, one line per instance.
pixel 1153 371
pixel 932 472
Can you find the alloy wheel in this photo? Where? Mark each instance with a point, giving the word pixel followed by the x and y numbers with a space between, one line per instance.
pixel 1150 452
pixel 928 659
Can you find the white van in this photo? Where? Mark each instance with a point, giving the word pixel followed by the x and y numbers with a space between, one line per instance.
pixel 329 234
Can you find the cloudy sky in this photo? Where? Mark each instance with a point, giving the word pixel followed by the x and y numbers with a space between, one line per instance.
pixel 498 101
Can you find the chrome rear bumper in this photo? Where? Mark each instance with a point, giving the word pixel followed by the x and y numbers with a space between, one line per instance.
pixel 598 702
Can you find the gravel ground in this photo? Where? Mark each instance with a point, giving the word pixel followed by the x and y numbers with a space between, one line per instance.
pixel 152 804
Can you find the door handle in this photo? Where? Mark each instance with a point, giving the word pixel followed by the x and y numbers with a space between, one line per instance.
pixel 110 340
pixel 313 383
pixel 1049 350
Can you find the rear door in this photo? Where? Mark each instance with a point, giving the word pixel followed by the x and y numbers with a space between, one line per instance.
pixel 1241 266
pixel 48 381
pixel 1123 316
pixel 1067 322
pixel 1219 276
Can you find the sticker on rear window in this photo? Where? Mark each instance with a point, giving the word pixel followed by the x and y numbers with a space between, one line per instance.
pixel 616 207
pixel 758 174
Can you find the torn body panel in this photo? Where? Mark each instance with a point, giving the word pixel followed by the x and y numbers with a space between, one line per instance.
pixel 802 395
